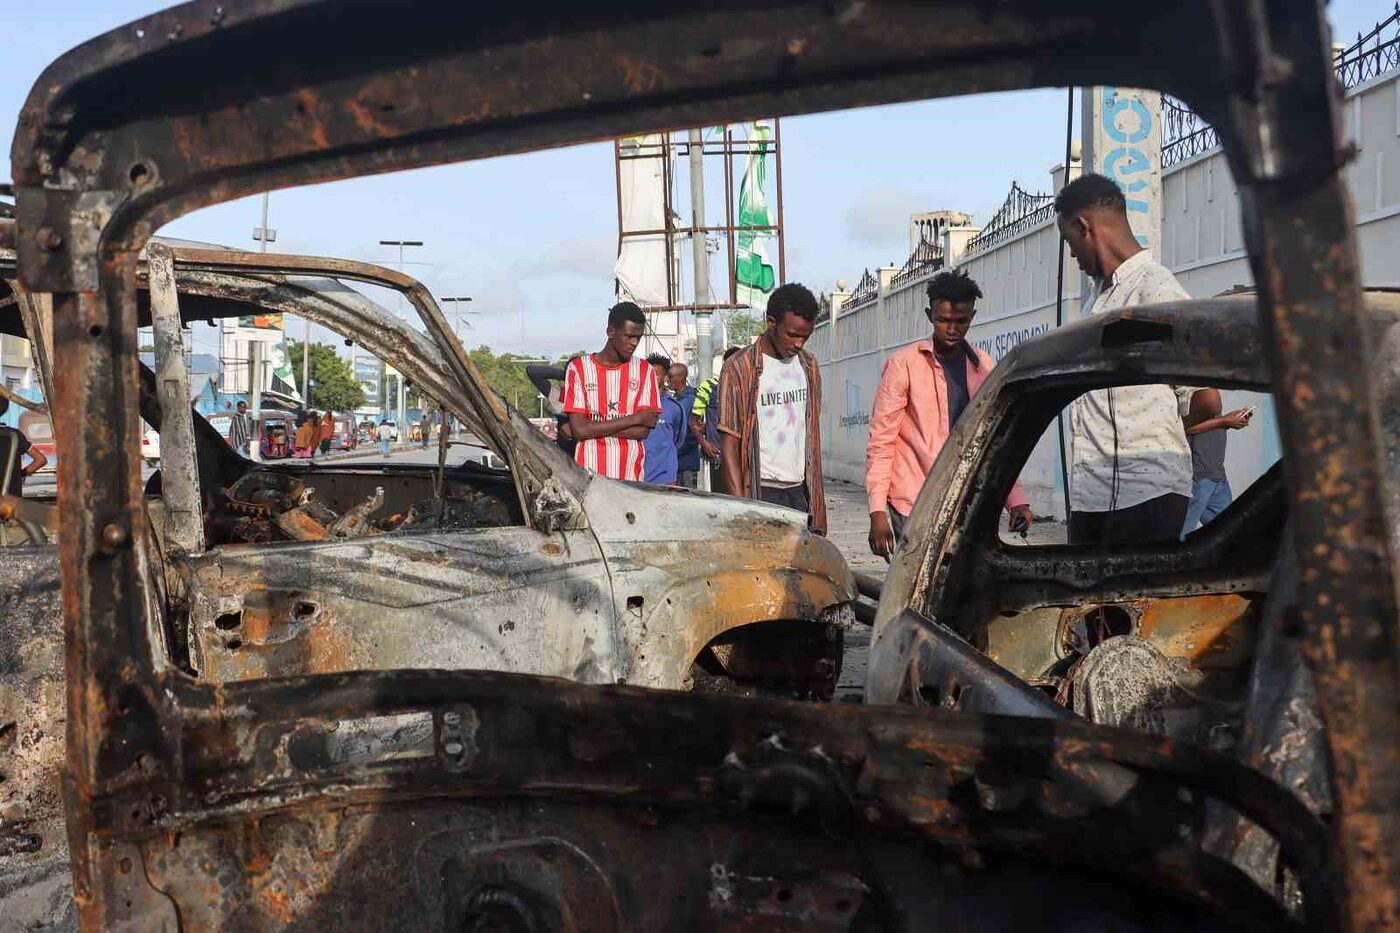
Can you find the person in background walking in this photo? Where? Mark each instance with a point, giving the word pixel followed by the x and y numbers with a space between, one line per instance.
pixel 385 434
pixel 326 432
pixel 923 390
pixel 307 436
pixel 1130 474
pixel 770 411
pixel 240 432
pixel 428 419
pixel 13 447
pixel 688 452
pixel 663 443
pixel 704 423
pixel 613 400
pixel 1206 431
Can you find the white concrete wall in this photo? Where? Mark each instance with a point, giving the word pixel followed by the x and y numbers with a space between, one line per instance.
pixel 1202 243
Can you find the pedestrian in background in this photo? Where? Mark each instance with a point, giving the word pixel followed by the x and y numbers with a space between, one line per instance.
pixel 688 453
pixel 385 435
pixel 1130 475
pixel 663 443
pixel 1206 432
pixel 704 423
pixel 326 432
pixel 613 400
pixel 923 390
pixel 240 432
pixel 14 446
pixel 304 444
pixel 770 411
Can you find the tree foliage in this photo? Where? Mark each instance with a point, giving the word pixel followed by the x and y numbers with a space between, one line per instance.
pixel 333 384
pixel 741 327
pixel 505 374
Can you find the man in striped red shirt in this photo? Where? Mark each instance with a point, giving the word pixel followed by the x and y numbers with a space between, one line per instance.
pixel 612 399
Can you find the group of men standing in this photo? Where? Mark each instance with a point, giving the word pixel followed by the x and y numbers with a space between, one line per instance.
pixel 759 423
pixel 1147 462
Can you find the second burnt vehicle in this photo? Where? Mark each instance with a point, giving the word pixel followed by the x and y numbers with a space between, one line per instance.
pixel 1192 640
pixel 536 567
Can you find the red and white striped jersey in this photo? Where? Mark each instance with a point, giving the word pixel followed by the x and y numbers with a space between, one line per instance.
pixel 605 393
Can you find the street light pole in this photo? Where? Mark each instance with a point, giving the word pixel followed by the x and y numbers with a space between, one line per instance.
pixel 457 313
pixel 401 244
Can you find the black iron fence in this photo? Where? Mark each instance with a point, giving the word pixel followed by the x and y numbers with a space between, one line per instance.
pixel 1022 210
pixel 866 291
pixel 927 257
pixel 1184 134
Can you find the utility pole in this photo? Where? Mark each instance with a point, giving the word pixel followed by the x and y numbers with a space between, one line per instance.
pixel 264 234
pixel 306 362
pixel 255 349
pixel 383 380
pixel 704 350
pixel 457 313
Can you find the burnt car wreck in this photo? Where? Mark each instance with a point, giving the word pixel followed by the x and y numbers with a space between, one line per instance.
pixel 396 798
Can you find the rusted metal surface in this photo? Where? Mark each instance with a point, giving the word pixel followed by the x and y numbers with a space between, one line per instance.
pixel 1197 602
pixel 182 510
pixel 109 148
pixel 35 885
pixel 622 777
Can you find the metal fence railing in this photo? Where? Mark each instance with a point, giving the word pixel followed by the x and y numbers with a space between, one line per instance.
pixel 865 291
pixel 1185 134
pixel 1020 211
pixel 927 257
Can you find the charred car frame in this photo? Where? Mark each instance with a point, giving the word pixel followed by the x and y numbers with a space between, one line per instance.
pixel 550 805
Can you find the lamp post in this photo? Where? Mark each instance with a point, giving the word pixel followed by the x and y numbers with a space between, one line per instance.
pixel 457 313
pixel 402 245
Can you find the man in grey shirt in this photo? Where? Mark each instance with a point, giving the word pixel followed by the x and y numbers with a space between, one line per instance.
pixel 1130 476
pixel 1206 429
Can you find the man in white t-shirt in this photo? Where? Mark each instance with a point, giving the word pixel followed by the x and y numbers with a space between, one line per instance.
pixel 770 411
pixel 1130 475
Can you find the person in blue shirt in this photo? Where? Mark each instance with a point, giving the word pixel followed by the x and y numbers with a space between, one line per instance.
pixel 664 441
pixel 688 454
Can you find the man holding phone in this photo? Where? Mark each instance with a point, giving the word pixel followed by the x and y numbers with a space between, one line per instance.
pixel 1206 431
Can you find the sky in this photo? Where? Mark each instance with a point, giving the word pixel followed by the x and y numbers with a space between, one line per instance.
pixel 532 238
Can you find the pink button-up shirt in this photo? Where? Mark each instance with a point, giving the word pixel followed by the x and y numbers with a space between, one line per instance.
pixel 910 424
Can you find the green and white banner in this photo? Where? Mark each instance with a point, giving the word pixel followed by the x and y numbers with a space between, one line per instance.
pixel 753 271
pixel 284 381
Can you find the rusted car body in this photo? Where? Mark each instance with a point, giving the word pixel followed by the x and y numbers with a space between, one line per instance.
pixel 1190 640
pixel 484 801
pixel 285 586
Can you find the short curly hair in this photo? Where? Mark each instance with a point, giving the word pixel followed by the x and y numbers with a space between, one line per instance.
pixel 954 285
pixel 1090 190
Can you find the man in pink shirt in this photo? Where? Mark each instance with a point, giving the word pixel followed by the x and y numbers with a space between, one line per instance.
pixel 923 390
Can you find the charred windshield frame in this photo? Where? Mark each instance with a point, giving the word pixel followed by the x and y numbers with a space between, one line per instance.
pixel 110 148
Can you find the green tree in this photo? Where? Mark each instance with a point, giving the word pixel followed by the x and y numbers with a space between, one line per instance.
pixel 333 384
pixel 741 327
pixel 505 375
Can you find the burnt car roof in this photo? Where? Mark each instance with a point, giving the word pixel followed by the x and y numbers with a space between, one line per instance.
pixel 1216 339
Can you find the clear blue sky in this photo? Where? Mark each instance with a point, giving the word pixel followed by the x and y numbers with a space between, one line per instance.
pixel 538 232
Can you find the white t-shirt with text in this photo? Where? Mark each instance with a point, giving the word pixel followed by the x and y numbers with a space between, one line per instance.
pixel 782 422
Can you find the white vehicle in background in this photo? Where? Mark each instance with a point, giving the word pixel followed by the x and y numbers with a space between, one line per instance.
pixel 150 446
